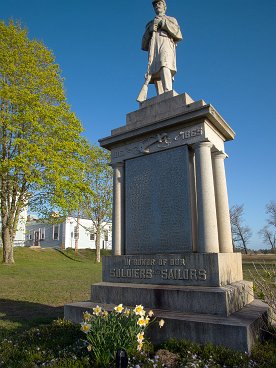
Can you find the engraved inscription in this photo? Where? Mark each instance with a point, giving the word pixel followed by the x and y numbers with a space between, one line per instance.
pixel 131 273
pixel 118 154
pixel 185 274
pixel 158 203
pixel 186 134
pixel 167 274
pixel 161 141
pixel 161 269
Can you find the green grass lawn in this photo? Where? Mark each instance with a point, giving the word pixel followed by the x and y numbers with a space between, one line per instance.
pixel 259 260
pixel 41 281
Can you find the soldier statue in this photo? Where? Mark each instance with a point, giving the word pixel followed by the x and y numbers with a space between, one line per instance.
pixel 160 40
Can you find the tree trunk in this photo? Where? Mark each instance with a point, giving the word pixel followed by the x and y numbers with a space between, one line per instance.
pixel 98 245
pixel 244 246
pixel 242 238
pixel 7 229
pixel 7 245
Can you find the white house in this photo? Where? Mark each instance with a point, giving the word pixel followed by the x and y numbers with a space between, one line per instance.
pixel 64 235
pixel 19 239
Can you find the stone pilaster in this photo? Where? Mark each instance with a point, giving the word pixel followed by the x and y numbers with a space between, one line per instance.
pixel 118 209
pixel 222 206
pixel 206 205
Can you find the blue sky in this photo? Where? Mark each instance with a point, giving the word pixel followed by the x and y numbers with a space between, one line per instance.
pixel 227 58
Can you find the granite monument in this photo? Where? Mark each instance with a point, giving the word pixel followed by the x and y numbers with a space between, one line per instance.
pixel 172 243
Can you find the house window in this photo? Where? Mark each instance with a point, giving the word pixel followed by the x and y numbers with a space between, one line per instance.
pixel 76 232
pixel 92 236
pixel 106 235
pixel 56 232
pixel 30 236
pixel 42 233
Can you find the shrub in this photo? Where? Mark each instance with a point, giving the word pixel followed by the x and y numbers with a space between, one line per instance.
pixel 265 286
pixel 265 354
pixel 195 355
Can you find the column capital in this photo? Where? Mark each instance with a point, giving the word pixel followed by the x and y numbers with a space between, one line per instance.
pixel 219 155
pixel 202 144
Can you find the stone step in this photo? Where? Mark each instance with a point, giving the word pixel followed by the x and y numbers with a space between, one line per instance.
pixel 239 331
pixel 187 299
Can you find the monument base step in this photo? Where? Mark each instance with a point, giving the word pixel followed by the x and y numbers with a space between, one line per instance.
pixel 187 299
pixel 239 331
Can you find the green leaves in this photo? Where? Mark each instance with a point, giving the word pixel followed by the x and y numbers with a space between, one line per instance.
pixel 98 176
pixel 41 148
pixel 106 332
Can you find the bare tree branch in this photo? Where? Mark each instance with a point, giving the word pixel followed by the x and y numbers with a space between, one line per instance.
pixel 271 211
pixel 240 234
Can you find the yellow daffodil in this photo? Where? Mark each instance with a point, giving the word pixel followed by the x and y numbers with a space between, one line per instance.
pixel 105 314
pixel 150 314
pixel 140 346
pixel 89 347
pixel 127 311
pixel 119 308
pixel 142 322
pixel 97 310
pixel 85 327
pixel 140 337
pixel 147 320
pixel 139 310
pixel 86 316
pixel 161 323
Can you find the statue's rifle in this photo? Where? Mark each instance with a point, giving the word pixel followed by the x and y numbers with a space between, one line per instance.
pixel 144 90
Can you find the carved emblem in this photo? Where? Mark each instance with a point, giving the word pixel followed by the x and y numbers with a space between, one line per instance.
pixel 162 140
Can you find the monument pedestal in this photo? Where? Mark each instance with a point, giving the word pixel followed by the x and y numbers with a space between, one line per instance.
pixel 221 301
pixel 187 269
pixel 172 244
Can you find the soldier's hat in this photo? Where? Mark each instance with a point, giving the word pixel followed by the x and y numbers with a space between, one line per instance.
pixel 155 1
